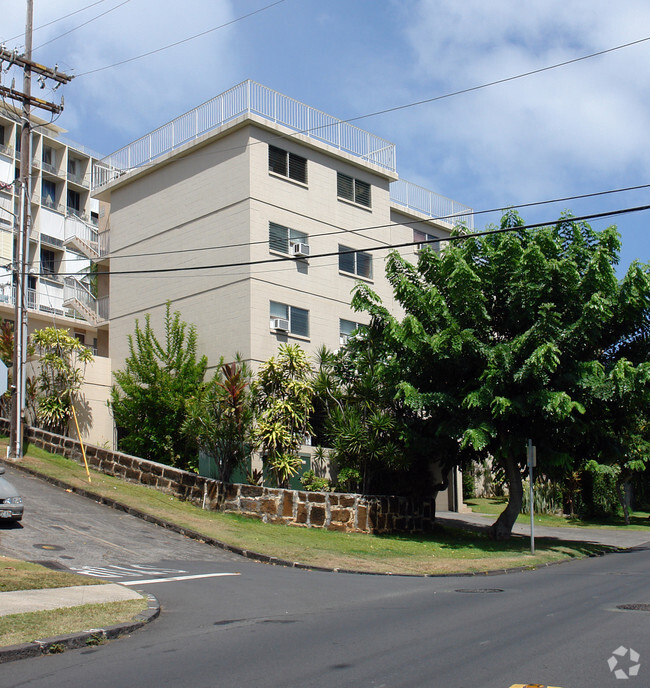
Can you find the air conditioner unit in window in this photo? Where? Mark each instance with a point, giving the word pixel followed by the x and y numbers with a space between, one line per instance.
pixel 300 250
pixel 280 324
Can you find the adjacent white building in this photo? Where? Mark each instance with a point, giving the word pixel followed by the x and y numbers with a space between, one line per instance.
pixel 63 244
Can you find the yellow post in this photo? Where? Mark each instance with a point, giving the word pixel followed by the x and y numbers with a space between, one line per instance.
pixel 81 442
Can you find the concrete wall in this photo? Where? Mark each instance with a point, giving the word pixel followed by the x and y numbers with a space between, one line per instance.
pixel 343 512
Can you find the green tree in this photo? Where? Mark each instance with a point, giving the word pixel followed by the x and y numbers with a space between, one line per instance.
pixel 283 402
pixel 219 417
pixel 62 360
pixel 149 396
pixel 499 336
pixel 618 441
pixel 363 428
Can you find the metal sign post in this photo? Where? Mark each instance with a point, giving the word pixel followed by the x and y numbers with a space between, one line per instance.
pixel 532 462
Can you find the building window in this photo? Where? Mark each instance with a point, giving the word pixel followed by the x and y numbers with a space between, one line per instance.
pixel 422 237
pixel 49 156
pixel 347 328
pixel 355 262
pixel 283 238
pixel 298 318
pixel 47 262
pixel 352 189
pixel 287 164
pixel 74 202
pixel 48 193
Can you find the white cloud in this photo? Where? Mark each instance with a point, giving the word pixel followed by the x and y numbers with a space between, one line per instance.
pixel 557 130
pixel 110 107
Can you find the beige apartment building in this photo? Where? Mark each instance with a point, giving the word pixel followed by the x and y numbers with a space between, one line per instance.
pixel 63 243
pixel 256 215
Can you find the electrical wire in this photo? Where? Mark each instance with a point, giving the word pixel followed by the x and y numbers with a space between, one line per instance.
pixel 184 40
pixel 54 21
pixel 371 249
pixel 56 38
pixel 341 230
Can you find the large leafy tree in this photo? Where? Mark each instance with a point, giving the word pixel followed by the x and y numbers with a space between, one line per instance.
pixel 220 417
pixel 149 396
pixel 501 338
pixel 283 402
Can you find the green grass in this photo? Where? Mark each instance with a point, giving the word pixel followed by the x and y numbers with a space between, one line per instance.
pixel 24 575
pixel 447 551
pixel 23 628
pixel 639 520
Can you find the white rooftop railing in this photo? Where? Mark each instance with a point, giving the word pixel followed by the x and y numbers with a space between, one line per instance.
pixel 431 204
pixel 252 98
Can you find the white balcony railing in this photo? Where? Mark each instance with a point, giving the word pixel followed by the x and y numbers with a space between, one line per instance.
pixel 74 290
pixel 431 204
pixel 249 97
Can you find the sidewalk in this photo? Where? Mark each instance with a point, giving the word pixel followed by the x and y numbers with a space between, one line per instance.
pixel 602 536
pixel 22 601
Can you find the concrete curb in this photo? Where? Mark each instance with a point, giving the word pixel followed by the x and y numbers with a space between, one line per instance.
pixel 264 558
pixel 90 638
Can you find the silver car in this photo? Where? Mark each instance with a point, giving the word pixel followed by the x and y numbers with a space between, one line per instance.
pixel 11 503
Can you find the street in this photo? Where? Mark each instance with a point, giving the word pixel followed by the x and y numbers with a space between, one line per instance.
pixel 274 626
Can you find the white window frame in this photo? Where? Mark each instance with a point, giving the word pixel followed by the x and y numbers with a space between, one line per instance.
pixel 291 237
pixel 293 164
pixel 346 252
pixel 358 189
pixel 293 315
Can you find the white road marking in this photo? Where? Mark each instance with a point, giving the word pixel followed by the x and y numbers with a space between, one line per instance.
pixel 178 578
pixel 114 571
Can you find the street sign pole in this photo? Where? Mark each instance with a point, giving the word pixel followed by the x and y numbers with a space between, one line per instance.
pixel 532 462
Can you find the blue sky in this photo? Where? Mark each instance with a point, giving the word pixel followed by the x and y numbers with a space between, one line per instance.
pixel 574 130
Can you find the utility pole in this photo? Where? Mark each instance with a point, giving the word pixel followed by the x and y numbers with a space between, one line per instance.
pixel 24 224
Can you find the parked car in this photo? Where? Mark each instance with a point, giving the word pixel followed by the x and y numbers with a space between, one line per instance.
pixel 11 503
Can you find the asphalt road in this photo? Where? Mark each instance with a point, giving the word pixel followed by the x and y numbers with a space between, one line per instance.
pixel 273 626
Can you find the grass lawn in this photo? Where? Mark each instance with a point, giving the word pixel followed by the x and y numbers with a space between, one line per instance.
pixel 639 520
pixel 23 628
pixel 447 551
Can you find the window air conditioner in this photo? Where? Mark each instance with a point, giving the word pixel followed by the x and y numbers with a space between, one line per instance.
pixel 300 250
pixel 280 324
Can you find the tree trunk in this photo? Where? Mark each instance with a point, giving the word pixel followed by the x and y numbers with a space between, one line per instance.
pixel 620 483
pixel 502 528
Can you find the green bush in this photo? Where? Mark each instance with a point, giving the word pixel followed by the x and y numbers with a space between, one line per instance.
pixel 547 497
pixel 312 483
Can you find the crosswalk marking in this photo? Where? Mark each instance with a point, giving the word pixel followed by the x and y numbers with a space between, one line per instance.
pixel 177 578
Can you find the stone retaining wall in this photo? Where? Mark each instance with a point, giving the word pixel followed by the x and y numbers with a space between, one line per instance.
pixel 333 511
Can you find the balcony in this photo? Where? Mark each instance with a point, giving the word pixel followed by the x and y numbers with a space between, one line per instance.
pixel 84 238
pixel 79 179
pixel 433 205
pixel 247 98
pixel 77 296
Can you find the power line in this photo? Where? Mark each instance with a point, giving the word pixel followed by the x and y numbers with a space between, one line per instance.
pixel 54 21
pixel 184 40
pixel 342 230
pixel 500 81
pixel 371 249
pixel 56 38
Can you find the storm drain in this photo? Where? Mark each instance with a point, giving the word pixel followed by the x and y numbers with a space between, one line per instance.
pixel 640 607
pixel 481 590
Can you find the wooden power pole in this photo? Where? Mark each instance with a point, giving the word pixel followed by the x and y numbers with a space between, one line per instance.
pixel 21 255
